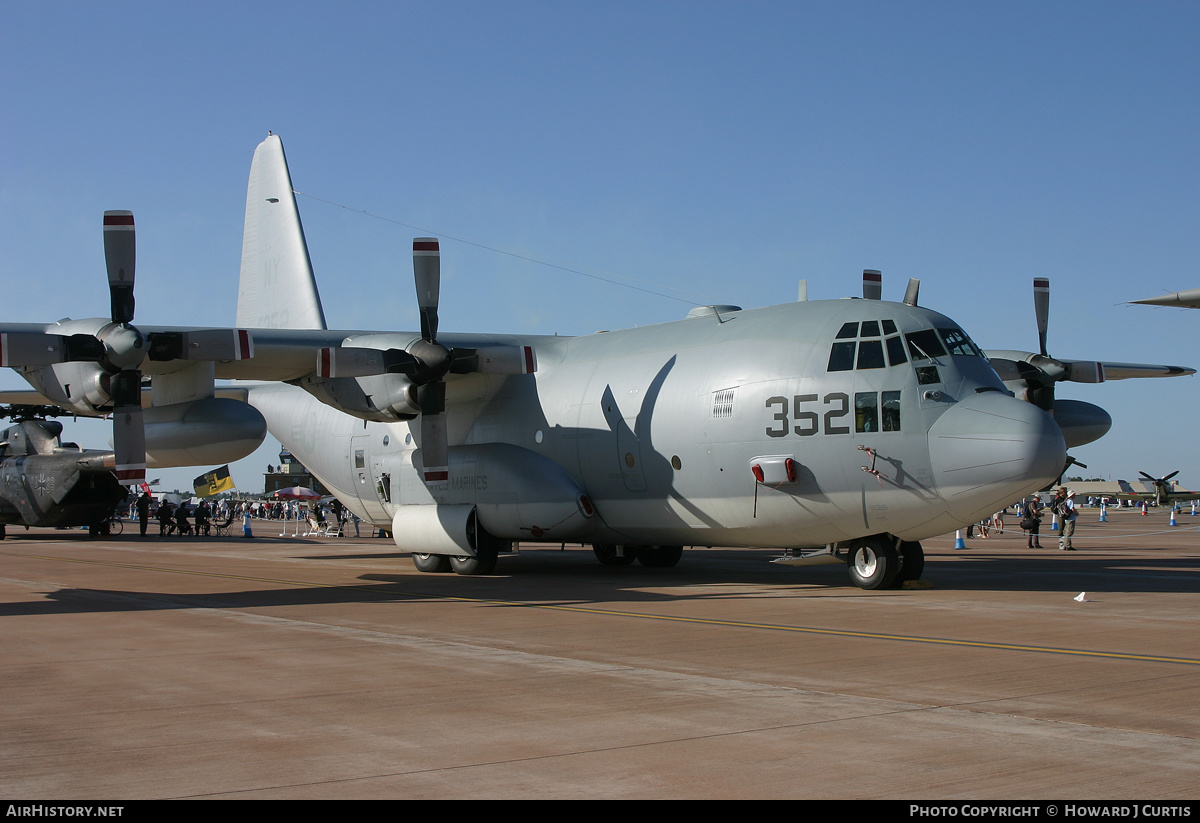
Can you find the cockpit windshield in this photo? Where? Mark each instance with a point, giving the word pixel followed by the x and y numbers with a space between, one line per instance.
pixel 928 344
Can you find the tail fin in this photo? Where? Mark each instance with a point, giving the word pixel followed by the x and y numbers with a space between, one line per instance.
pixel 277 289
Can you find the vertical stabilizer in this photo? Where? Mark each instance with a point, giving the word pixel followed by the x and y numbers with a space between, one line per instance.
pixel 277 289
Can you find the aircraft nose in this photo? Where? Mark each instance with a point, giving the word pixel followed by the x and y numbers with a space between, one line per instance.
pixel 991 449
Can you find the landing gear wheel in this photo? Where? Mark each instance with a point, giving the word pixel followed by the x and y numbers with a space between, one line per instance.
pixel 608 554
pixel 912 562
pixel 484 562
pixel 659 557
pixel 874 563
pixel 432 563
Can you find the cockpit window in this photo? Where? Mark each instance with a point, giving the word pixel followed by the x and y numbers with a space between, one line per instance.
pixel 924 345
pixel 841 357
pixel 958 343
pixel 870 354
pixel 859 346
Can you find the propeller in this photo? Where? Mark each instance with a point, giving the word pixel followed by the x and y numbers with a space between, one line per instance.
pixel 433 357
pixel 125 348
pixel 1036 374
pixel 1161 485
pixel 426 362
pixel 1032 375
pixel 118 348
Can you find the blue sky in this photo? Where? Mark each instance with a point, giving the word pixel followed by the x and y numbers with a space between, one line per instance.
pixel 705 151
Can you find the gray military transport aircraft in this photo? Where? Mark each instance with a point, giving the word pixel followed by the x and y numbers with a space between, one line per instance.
pixel 842 431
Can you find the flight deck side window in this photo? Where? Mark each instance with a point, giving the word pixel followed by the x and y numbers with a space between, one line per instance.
pixel 891 411
pixel 866 412
pixel 928 375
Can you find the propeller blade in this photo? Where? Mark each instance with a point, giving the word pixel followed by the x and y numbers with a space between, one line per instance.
pixel 872 284
pixel 912 292
pixel 1124 371
pixel 434 449
pixel 129 434
pixel 427 271
pixel 1041 308
pixel 120 253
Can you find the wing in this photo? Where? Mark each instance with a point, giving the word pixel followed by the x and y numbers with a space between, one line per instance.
pixel 1189 299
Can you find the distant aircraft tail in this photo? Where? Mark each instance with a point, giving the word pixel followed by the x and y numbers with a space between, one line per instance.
pixel 277 289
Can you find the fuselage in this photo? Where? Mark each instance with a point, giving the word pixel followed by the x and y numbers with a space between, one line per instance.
pixel 892 420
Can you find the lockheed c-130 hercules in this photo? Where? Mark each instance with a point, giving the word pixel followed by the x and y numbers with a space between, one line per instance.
pixel 843 430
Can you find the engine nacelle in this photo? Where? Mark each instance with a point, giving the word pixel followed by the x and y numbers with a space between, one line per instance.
pixel 385 398
pixel 204 432
pixel 80 387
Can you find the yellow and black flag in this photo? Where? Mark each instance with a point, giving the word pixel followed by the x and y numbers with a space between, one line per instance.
pixel 215 482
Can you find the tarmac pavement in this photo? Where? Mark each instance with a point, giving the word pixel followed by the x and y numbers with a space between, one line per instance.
pixel 329 668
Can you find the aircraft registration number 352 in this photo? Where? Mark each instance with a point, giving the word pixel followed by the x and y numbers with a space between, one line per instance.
pixel 808 421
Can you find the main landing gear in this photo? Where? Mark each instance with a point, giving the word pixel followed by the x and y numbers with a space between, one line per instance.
pixel 484 562
pixel 658 557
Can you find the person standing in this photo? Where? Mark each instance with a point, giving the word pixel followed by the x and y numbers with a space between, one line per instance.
pixel 143 512
pixel 1067 515
pixel 1032 523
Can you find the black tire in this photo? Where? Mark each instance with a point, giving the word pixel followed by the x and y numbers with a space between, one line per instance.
pixel 608 555
pixel 873 563
pixel 431 563
pixel 659 557
pixel 912 562
pixel 484 562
